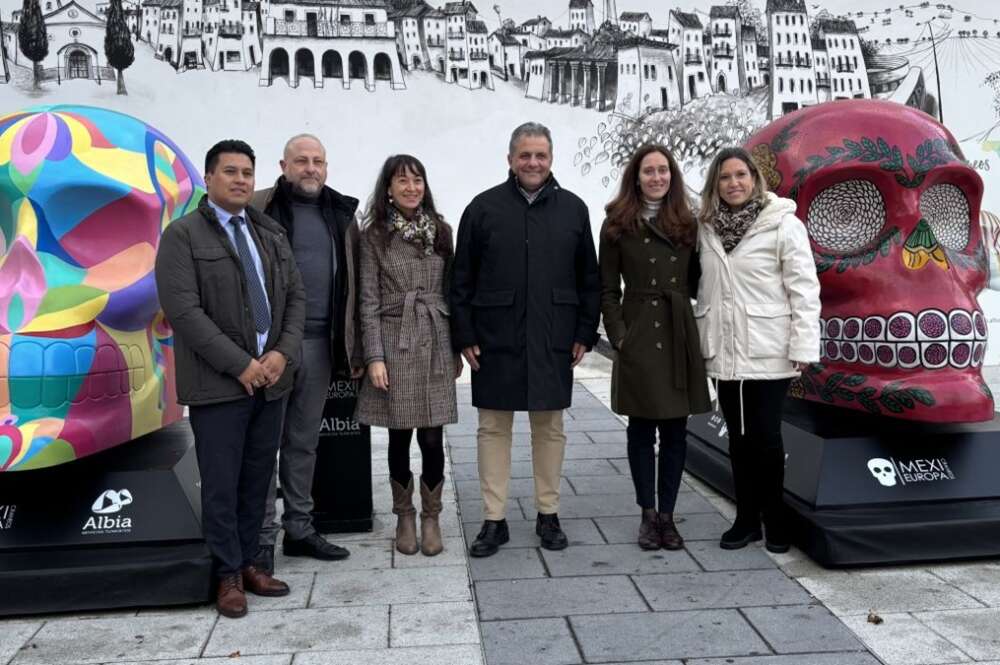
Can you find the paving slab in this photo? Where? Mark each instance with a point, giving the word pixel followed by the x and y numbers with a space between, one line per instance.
pixel 887 591
pixel 751 588
pixel 710 556
pixel 616 560
pixel 979 580
pixel 522 469
pixel 522 532
pixel 117 639
pixel 365 554
pixel 612 484
pixel 696 526
pixel 798 659
pixel 801 629
pixel 433 624
pixel 609 436
pixel 547 641
pixel 471 510
pixel 385 587
pixel 903 640
pixel 14 635
pixel 588 426
pixel 284 659
pixel 508 564
pixel 452 555
pixel 976 632
pixel 652 635
pixel 293 631
pixel 437 655
pixel 522 599
pixel 592 451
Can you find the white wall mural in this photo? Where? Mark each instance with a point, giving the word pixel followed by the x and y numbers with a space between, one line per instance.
pixel 447 81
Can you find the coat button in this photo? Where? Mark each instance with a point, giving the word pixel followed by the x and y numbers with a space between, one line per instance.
pixel 673 258
pixel 656 303
pixel 653 281
pixel 646 240
pixel 673 280
pixel 652 260
pixel 659 345
pixel 656 324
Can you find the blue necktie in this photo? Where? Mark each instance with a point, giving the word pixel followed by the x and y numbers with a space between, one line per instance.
pixel 261 312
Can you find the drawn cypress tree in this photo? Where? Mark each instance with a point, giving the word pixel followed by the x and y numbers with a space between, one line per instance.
pixel 118 48
pixel 32 37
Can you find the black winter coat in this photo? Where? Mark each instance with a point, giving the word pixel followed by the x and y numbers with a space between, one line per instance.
pixel 525 288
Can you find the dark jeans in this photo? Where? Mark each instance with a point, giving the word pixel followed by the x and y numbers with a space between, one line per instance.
pixel 236 443
pixel 431 442
pixel 755 448
pixel 641 435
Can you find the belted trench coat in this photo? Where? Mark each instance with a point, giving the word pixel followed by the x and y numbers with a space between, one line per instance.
pixel 404 323
pixel 658 369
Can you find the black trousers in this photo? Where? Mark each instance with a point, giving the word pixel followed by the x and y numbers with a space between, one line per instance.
pixel 756 450
pixel 237 444
pixel 641 436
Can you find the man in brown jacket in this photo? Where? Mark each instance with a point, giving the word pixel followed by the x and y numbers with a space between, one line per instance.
pixel 229 287
pixel 323 235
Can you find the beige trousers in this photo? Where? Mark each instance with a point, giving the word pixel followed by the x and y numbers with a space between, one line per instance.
pixel 547 446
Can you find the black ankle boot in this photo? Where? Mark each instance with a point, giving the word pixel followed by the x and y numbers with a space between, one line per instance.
pixel 740 535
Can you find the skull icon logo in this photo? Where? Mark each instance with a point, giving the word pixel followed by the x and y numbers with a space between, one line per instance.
pixel 892 211
pixel 883 471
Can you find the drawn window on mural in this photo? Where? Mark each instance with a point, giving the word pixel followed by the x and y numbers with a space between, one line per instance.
pixel 946 211
pixel 846 216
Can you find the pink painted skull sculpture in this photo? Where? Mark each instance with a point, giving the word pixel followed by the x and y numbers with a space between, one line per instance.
pixel 893 213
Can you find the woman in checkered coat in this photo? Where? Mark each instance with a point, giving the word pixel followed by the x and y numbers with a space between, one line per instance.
pixel 406 249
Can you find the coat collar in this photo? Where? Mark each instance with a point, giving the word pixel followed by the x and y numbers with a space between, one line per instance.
pixel 774 210
pixel 280 194
pixel 551 185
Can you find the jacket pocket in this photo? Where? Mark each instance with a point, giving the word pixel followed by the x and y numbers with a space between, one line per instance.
pixel 220 287
pixel 565 303
pixel 769 327
pixel 494 320
pixel 708 335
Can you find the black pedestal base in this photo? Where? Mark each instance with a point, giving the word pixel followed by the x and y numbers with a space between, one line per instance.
pixel 118 529
pixel 861 490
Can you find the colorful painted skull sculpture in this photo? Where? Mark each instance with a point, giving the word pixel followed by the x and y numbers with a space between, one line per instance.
pixel 893 214
pixel 86 361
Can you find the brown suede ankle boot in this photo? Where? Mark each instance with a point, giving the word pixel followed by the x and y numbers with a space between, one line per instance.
pixel 430 508
pixel 406 517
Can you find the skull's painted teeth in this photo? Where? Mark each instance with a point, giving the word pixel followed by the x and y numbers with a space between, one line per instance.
pixel 931 339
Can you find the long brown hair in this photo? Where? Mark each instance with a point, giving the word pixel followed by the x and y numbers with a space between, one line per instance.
pixel 378 214
pixel 710 192
pixel 675 218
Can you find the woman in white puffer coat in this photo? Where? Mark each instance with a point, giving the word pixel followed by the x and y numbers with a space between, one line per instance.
pixel 758 322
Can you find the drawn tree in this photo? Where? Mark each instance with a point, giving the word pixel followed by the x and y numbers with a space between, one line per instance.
pixel 868 48
pixel 118 48
pixel 993 80
pixel 32 38
pixel 751 15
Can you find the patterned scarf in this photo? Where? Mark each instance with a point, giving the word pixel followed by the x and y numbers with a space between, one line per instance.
pixel 421 230
pixel 732 225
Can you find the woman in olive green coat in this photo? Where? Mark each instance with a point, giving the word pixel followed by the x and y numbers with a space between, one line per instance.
pixel 648 241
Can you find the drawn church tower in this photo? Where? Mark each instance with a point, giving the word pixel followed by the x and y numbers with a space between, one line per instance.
pixel 610 13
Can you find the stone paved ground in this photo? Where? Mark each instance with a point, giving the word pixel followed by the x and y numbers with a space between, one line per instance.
pixel 600 601
pixel 603 600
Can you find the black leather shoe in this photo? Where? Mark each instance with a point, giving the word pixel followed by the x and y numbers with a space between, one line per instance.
pixel 493 534
pixel 264 559
pixel 776 539
pixel 315 546
pixel 739 537
pixel 553 538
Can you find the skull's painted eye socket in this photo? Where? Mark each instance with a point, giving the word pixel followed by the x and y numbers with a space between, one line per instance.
pixel 947 213
pixel 847 216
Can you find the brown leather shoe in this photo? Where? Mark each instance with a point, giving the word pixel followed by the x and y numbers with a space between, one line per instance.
pixel 230 599
pixel 669 538
pixel 259 583
pixel 649 530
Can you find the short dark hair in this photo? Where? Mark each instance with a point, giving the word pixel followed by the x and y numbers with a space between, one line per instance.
pixel 228 145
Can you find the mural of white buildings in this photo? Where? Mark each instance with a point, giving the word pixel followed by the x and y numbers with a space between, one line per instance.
pixel 341 43
pixel 633 62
